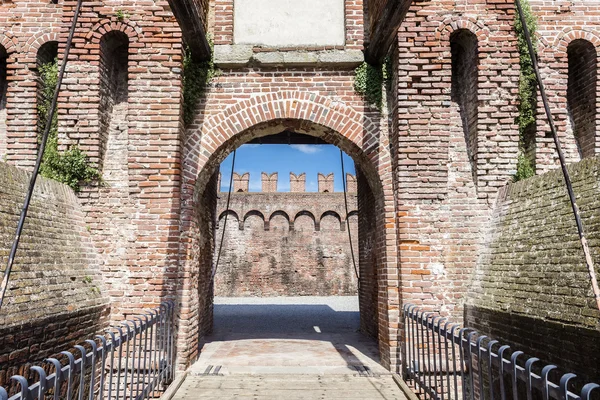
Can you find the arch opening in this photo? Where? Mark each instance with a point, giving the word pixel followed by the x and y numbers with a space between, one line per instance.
pixel 582 94
pixel 113 107
pixel 47 73
pixel 369 248
pixel 464 90
pixel 3 93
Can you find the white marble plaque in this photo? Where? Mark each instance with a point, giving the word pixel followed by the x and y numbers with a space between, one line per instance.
pixel 289 23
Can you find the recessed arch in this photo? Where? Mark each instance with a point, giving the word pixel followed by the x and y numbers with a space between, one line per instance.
pixel 255 213
pixel 582 89
pixel 464 48
pixel 3 93
pixel 46 73
pixel 231 213
pixel 327 215
pixel 301 217
pixel 279 220
pixel 113 108
pixel 279 213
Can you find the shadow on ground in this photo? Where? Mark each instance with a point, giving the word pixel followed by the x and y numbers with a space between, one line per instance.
pixel 321 334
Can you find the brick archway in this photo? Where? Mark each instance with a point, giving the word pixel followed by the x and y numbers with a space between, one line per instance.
pixel 267 114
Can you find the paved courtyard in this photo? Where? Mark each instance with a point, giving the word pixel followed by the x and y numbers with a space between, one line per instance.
pixel 288 335
pixel 288 348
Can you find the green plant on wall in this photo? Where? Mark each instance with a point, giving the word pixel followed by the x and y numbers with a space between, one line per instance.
pixel 70 167
pixel 196 78
pixel 369 80
pixel 121 15
pixel 527 93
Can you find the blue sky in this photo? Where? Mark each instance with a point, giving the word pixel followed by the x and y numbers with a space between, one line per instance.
pixel 281 158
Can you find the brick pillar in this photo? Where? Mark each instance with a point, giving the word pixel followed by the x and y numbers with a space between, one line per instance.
pixel 351 183
pixel 297 183
pixel 326 183
pixel 241 183
pixel 269 182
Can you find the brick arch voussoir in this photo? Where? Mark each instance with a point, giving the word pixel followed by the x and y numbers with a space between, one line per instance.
pixel 36 41
pixel 105 26
pixel 10 44
pixel 566 36
pixel 453 24
pixel 302 106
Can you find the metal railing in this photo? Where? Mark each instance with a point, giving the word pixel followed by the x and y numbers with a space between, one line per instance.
pixel 443 360
pixel 131 361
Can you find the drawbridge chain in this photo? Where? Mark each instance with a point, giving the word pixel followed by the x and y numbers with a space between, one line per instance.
pixel 216 266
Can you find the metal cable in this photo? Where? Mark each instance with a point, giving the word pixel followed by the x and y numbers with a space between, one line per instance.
pixel 214 270
pixel 584 244
pixel 36 169
pixel 347 220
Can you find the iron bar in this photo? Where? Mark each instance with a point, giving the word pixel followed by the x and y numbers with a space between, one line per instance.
pixel 586 251
pixel 85 367
pixel 501 362
pixel 216 267
pixel 347 215
pixel 38 162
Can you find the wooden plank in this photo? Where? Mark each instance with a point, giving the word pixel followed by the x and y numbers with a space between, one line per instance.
pixel 384 29
pixel 189 15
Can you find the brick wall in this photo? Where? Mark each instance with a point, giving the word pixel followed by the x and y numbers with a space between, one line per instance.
pixel 28 25
pixel 286 244
pixel 531 288
pixel 560 23
pixel 55 296
pixel 122 103
pixel 445 182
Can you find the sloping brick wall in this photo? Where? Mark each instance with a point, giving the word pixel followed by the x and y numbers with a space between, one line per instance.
pixel 55 295
pixel 531 288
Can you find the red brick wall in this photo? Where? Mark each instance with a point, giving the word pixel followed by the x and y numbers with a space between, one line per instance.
pixel 151 221
pixel 27 26
pixel 559 24
pixel 286 244
pixel 442 210
pixel 133 132
pixel 369 258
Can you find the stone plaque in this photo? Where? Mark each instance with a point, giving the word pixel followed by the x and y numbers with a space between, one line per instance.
pixel 289 23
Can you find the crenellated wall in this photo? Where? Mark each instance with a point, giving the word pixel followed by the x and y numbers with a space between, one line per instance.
pixel 286 243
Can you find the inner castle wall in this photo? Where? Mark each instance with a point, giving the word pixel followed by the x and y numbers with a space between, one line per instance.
pixel 287 243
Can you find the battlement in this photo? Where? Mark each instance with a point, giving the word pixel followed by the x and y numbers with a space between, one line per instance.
pixel 241 183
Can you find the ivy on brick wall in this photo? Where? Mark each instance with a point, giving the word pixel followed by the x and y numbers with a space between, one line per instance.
pixel 196 78
pixel 369 80
pixel 527 93
pixel 72 166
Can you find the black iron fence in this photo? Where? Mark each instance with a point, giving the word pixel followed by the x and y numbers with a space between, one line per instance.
pixel 443 360
pixel 132 361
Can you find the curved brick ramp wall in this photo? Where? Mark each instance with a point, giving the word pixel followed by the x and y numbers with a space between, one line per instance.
pixel 532 288
pixel 55 296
